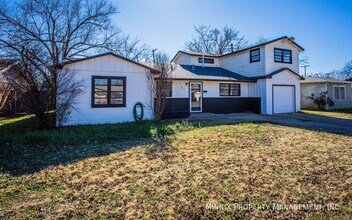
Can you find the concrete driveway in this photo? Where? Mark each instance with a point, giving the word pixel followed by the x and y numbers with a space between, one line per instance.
pixel 314 122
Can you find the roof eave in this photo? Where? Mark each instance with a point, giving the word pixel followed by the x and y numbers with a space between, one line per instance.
pixel 277 72
pixel 263 44
pixel 106 54
pixel 217 80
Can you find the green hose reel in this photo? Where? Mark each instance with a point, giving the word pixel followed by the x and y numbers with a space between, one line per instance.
pixel 138 116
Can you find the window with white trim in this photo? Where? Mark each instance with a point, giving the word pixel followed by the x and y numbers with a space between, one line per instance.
pixel 339 93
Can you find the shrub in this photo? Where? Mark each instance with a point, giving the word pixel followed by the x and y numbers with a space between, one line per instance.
pixel 321 100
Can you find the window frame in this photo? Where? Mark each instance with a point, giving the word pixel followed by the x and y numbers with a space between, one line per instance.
pixel 229 90
pixel 345 93
pixel 250 55
pixel 108 105
pixel 205 58
pixel 282 56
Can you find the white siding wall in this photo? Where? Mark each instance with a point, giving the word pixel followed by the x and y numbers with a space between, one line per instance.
pixel 271 65
pixel 136 90
pixel 252 90
pixel 261 90
pixel 183 59
pixel 213 89
pixel 283 78
pixel 239 63
pixel 180 89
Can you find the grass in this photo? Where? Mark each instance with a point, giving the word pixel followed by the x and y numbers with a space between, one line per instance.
pixel 174 170
pixel 331 113
pixel 17 134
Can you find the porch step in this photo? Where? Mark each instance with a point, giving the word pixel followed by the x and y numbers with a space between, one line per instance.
pixel 204 115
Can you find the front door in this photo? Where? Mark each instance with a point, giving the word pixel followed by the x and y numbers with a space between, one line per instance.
pixel 196 93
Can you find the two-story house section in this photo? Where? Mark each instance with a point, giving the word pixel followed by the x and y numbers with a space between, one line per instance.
pixel 262 79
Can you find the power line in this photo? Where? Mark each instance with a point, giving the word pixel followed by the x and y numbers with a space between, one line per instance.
pixel 305 69
pixel 153 51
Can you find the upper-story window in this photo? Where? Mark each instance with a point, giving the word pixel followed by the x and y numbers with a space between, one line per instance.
pixel 282 55
pixel 206 60
pixel 255 55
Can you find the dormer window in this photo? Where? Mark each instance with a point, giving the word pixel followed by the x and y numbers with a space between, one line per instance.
pixel 282 55
pixel 254 55
pixel 206 60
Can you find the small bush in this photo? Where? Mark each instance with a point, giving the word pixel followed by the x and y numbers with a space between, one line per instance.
pixel 321 100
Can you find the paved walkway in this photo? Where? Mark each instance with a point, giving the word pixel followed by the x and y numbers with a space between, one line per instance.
pixel 314 122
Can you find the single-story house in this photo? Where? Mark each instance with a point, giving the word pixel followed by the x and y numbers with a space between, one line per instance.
pixel 262 79
pixel 339 91
pixel 11 101
pixel 112 86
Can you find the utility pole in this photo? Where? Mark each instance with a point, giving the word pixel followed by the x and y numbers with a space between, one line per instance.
pixel 305 69
pixel 153 51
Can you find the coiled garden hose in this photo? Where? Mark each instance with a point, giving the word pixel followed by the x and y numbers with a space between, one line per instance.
pixel 138 117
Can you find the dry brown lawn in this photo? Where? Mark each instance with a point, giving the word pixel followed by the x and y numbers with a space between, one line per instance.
pixel 344 114
pixel 257 164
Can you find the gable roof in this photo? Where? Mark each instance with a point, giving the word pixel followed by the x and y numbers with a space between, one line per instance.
pixel 107 54
pixel 324 80
pixel 237 51
pixel 190 72
pixel 263 44
pixel 193 54
pixel 270 75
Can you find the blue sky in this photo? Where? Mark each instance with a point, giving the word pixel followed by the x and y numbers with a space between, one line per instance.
pixel 323 28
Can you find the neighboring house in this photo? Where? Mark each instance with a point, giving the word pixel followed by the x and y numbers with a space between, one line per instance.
pixel 262 79
pixel 339 92
pixel 113 85
pixel 10 100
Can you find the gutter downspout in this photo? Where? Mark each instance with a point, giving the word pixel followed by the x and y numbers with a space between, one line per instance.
pixel 326 96
pixel 202 60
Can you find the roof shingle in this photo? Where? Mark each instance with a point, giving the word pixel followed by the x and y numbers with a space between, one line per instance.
pixel 190 72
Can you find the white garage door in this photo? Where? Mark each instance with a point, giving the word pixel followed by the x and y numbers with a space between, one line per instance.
pixel 283 99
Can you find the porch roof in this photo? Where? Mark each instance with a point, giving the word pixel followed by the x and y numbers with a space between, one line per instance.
pixel 324 80
pixel 190 72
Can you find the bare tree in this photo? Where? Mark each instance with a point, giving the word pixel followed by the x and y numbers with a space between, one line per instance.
pixel 215 41
pixel 69 89
pixel 5 91
pixel 261 40
pixel 133 49
pixel 5 86
pixel 160 84
pixel 304 60
pixel 44 33
pixel 346 71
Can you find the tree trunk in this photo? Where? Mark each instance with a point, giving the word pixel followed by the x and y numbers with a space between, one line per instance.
pixel 5 95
